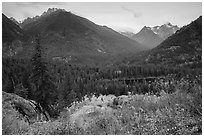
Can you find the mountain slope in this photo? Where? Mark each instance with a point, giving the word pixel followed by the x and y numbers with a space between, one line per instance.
pixel 10 31
pixel 147 37
pixel 13 37
pixel 184 48
pixel 14 20
pixel 127 33
pixel 65 34
pixel 153 36
pixel 166 30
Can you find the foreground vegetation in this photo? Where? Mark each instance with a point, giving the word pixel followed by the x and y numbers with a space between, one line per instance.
pixel 179 112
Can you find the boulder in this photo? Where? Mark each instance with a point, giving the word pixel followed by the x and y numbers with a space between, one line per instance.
pixel 25 109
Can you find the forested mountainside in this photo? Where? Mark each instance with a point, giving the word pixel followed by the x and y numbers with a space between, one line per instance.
pixel 66 36
pixel 184 48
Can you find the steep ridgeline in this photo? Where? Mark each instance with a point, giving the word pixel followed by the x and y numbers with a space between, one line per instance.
pixel 147 37
pixel 166 30
pixel 153 36
pixel 14 20
pixel 76 39
pixel 10 30
pixel 48 12
pixel 13 37
pixel 184 48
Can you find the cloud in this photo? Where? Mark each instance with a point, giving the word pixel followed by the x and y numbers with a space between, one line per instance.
pixel 135 14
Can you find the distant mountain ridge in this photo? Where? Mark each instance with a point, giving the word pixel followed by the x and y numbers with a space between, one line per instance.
pixel 67 36
pixel 13 37
pixel 74 39
pixel 153 36
pixel 184 48
pixel 32 19
pixel 166 30
pixel 10 30
pixel 14 20
pixel 147 37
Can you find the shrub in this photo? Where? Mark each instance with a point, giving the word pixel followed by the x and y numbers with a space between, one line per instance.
pixel 13 123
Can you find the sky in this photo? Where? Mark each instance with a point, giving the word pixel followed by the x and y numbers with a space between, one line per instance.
pixel 121 16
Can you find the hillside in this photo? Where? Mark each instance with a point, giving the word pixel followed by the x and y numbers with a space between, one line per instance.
pixel 165 30
pixel 13 37
pixel 184 48
pixel 10 30
pixel 147 37
pixel 66 35
pixel 153 36
pixel 14 20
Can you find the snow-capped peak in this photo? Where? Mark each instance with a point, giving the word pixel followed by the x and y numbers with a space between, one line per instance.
pixel 164 30
pixel 51 10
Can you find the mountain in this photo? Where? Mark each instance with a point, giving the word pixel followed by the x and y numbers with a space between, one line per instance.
pixel 166 30
pixel 127 33
pixel 184 48
pixel 153 36
pixel 46 13
pixel 14 20
pixel 13 37
pixel 10 30
pixel 147 37
pixel 66 35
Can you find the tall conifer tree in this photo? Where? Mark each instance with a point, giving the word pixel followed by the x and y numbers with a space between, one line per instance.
pixel 43 90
